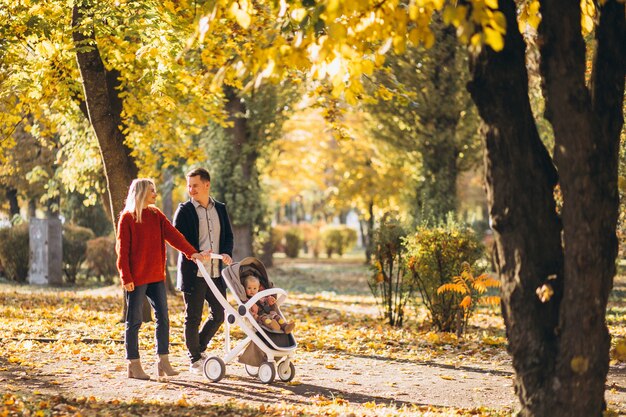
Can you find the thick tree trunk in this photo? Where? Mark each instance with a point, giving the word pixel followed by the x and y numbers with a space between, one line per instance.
pixel 587 126
pixel 520 181
pixel 559 345
pixel 104 109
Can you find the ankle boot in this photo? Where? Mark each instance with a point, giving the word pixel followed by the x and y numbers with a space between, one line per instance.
pixel 164 368
pixel 135 370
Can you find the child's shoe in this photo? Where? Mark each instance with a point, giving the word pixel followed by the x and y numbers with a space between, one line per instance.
pixel 288 327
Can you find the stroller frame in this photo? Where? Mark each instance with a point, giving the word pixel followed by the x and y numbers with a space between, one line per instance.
pixel 278 358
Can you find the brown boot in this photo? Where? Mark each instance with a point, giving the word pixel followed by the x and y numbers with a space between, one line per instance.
pixel 288 327
pixel 135 370
pixel 272 324
pixel 164 368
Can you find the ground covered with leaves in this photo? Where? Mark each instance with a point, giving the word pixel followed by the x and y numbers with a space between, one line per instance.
pixel 62 353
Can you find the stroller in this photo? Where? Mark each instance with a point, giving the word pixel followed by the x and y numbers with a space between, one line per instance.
pixel 264 353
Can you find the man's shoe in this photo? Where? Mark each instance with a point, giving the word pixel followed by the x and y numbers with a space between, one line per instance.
pixel 197 367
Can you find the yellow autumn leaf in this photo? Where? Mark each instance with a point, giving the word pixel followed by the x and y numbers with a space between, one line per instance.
pixel 493 4
pixel 579 364
pixel 298 14
pixel 545 292
pixel 494 39
pixel 619 352
pixel 466 302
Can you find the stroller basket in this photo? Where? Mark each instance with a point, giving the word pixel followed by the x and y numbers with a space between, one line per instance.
pixel 263 352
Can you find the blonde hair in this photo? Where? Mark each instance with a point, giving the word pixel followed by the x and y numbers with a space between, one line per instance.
pixel 136 198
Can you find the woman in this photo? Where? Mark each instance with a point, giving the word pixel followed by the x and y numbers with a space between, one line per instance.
pixel 141 235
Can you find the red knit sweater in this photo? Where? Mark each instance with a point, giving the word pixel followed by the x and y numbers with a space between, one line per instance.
pixel 141 246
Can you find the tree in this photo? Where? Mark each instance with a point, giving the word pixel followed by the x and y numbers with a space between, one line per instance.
pixel 423 107
pixel 559 344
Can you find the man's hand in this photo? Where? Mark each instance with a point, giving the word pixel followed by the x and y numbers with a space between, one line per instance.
pixel 130 287
pixel 227 259
pixel 206 255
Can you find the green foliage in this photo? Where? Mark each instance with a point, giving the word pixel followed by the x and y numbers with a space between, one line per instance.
pixel 424 109
pixel 101 258
pixel 293 241
pixel 390 283
pixel 74 249
pixel 14 252
pixel 435 255
pixel 92 216
pixel 338 239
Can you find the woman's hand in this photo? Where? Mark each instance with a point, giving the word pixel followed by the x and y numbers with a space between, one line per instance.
pixel 130 287
pixel 226 259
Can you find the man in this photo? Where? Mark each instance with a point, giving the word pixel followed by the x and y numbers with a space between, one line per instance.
pixel 205 224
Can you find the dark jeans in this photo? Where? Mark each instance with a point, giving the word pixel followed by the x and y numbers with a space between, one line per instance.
pixel 134 316
pixel 194 304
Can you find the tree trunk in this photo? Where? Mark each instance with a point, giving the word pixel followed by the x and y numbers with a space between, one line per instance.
pixel 243 237
pixel 587 125
pixel 14 208
pixel 559 345
pixel 245 162
pixel 104 108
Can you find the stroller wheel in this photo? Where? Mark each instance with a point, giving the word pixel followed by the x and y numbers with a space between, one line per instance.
pixel 267 372
pixel 214 369
pixel 286 370
pixel 251 370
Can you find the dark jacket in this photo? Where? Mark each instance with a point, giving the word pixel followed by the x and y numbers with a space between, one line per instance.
pixel 186 221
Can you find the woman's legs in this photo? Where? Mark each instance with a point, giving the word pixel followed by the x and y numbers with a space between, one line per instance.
pixel 157 296
pixel 134 317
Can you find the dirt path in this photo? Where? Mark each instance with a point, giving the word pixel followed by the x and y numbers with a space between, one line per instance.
pixel 319 378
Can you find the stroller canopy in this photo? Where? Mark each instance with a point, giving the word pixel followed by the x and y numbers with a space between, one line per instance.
pixel 235 271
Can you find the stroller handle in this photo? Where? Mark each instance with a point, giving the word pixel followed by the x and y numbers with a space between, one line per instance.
pixel 265 293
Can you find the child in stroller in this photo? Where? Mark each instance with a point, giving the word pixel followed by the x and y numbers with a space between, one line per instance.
pixel 265 353
pixel 264 311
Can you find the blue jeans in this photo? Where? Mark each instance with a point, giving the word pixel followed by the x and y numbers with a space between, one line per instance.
pixel 134 316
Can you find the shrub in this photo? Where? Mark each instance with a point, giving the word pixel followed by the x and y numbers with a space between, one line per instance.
pixel 434 256
pixel 390 283
pixel 101 258
pixel 311 238
pixel 338 239
pixel 278 235
pixel 472 290
pixel 293 242
pixel 15 252
pixel 74 249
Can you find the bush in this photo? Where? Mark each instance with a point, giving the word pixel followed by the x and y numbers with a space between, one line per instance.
pixel 435 256
pixel 15 252
pixel 311 238
pixel 390 283
pixel 101 258
pixel 293 242
pixel 338 239
pixel 74 249
pixel 278 235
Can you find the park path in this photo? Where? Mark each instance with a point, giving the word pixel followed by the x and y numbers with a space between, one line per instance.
pixel 319 378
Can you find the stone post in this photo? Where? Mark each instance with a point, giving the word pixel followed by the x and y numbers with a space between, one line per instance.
pixel 46 252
